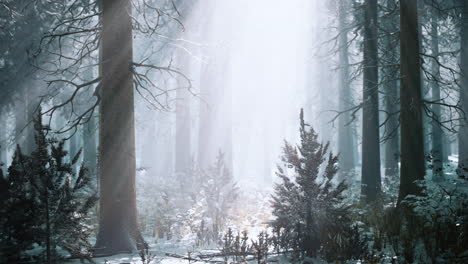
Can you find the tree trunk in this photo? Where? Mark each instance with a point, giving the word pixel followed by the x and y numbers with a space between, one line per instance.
pixel 446 147
pixel 412 141
pixel 118 230
pixel 20 121
pixel 89 133
pixel 215 133
pixel 3 140
pixel 267 161
pixel 207 148
pixel 391 72
pixel 73 143
pixel 463 132
pixel 371 182
pixel 425 84
pixel 437 149
pixel 32 106
pixel 48 231
pixel 89 145
pixel 183 152
pixel 345 135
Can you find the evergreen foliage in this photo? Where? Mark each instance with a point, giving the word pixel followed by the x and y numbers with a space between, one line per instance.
pixel 442 210
pixel 45 204
pixel 309 209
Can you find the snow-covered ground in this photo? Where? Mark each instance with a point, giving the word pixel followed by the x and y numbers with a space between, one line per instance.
pixel 251 213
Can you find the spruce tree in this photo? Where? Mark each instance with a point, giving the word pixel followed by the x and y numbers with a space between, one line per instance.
pixel 308 205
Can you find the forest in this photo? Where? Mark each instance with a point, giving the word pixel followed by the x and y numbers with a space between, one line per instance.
pixel 233 131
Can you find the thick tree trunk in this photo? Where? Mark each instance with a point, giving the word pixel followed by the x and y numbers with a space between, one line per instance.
pixel 437 148
pixel 345 135
pixel 412 144
pixel 392 155
pixel 118 230
pixel 463 132
pixel 371 181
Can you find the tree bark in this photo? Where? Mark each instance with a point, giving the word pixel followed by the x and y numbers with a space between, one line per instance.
pixel 118 230
pixel 412 144
pixel 437 148
pixel 371 181
pixel 345 135
pixel 463 132
pixel 391 72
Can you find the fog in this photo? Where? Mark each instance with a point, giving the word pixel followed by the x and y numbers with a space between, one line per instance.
pixel 251 72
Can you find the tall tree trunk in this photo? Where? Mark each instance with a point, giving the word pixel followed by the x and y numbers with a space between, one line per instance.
pixel 207 147
pixel 215 133
pixel 267 163
pixel 463 132
pixel 118 229
pixel 412 141
pixel 183 152
pixel 425 86
pixel 371 181
pixel 89 133
pixel 446 147
pixel 437 149
pixel 20 121
pixel 205 128
pixel 89 145
pixel 345 135
pixel 391 72
pixel 32 106
pixel 73 143
pixel 3 138
pixel 48 231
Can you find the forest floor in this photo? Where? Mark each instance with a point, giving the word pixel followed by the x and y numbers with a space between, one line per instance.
pixel 252 212
pixel 170 253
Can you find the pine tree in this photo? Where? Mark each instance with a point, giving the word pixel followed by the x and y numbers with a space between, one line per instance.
pixel 46 202
pixel 17 213
pixel 309 206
